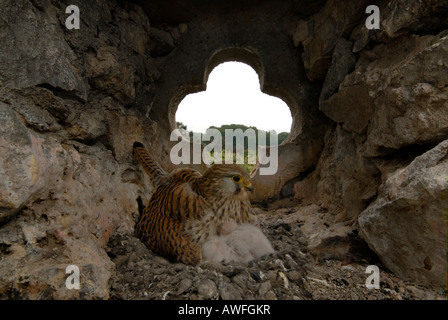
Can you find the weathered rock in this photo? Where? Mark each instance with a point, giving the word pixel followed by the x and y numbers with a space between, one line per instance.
pixel 413 101
pixel 185 284
pixel 292 160
pixel 124 128
pixel 39 108
pixel 350 106
pixel 228 291
pixel 26 34
pixel 72 226
pixel 342 63
pixel 162 43
pixel 29 164
pixel 134 31
pixel 334 21
pixel 406 225
pixel 264 288
pixel 67 197
pixel 397 93
pixel 398 18
pixel 343 181
pixel 109 74
pixel 404 16
pixel 207 289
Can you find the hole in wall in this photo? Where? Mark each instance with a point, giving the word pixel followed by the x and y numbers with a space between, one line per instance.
pixel 233 100
pixel 233 96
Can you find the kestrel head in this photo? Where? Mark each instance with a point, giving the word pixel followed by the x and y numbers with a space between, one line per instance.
pixel 227 180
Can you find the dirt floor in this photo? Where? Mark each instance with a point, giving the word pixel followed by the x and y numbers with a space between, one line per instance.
pixel 300 269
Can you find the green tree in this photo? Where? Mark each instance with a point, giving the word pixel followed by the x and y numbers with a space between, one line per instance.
pixel 282 136
pixel 222 129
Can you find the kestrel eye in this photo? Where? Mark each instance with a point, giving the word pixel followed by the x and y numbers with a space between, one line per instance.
pixel 236 178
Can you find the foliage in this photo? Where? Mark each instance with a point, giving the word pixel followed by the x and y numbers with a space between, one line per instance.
pixel 252 134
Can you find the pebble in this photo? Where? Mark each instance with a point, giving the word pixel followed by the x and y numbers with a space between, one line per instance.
pixel 240 280
pixel 160 260
pixel 256 275
pixel 184 285
pixel 290 263
pixel 270 295
pixel 207 289
pixel 285 280
pixel 294 275
pixel 264 288
pixel 179 267
pixel 288 274
pixel 228 291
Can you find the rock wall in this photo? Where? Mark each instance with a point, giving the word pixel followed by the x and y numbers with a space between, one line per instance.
pixel 368 140
pixel 67 126
pixel 386 90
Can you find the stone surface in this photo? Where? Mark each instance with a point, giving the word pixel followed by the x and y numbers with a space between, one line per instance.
pixel 400 17
pixel 406 225
pixel 397 93
pixel 162 43
pixel 334 21
pixel 29 164
pixel 71 226
pixel 291 273
pixel 108 74
pixel 342 63
pixel 67 175
pixel 25 59
pixel 207 289
pixel 345 181
pixel 124 128
pixel 411 103
pixel 292 160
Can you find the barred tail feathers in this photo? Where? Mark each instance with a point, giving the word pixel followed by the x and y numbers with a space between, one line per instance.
pixel 155 172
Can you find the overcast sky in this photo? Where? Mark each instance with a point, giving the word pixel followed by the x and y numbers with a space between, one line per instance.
pixel 233 96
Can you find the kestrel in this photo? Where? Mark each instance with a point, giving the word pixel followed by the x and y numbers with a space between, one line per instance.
pixel 188 208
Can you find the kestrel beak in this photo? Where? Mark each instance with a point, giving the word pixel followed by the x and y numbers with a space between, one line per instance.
pixel 248 186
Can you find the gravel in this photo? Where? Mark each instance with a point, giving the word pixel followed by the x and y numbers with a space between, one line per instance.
pixel 292 272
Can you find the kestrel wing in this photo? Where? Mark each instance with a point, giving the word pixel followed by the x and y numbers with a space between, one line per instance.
pixel 161 227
